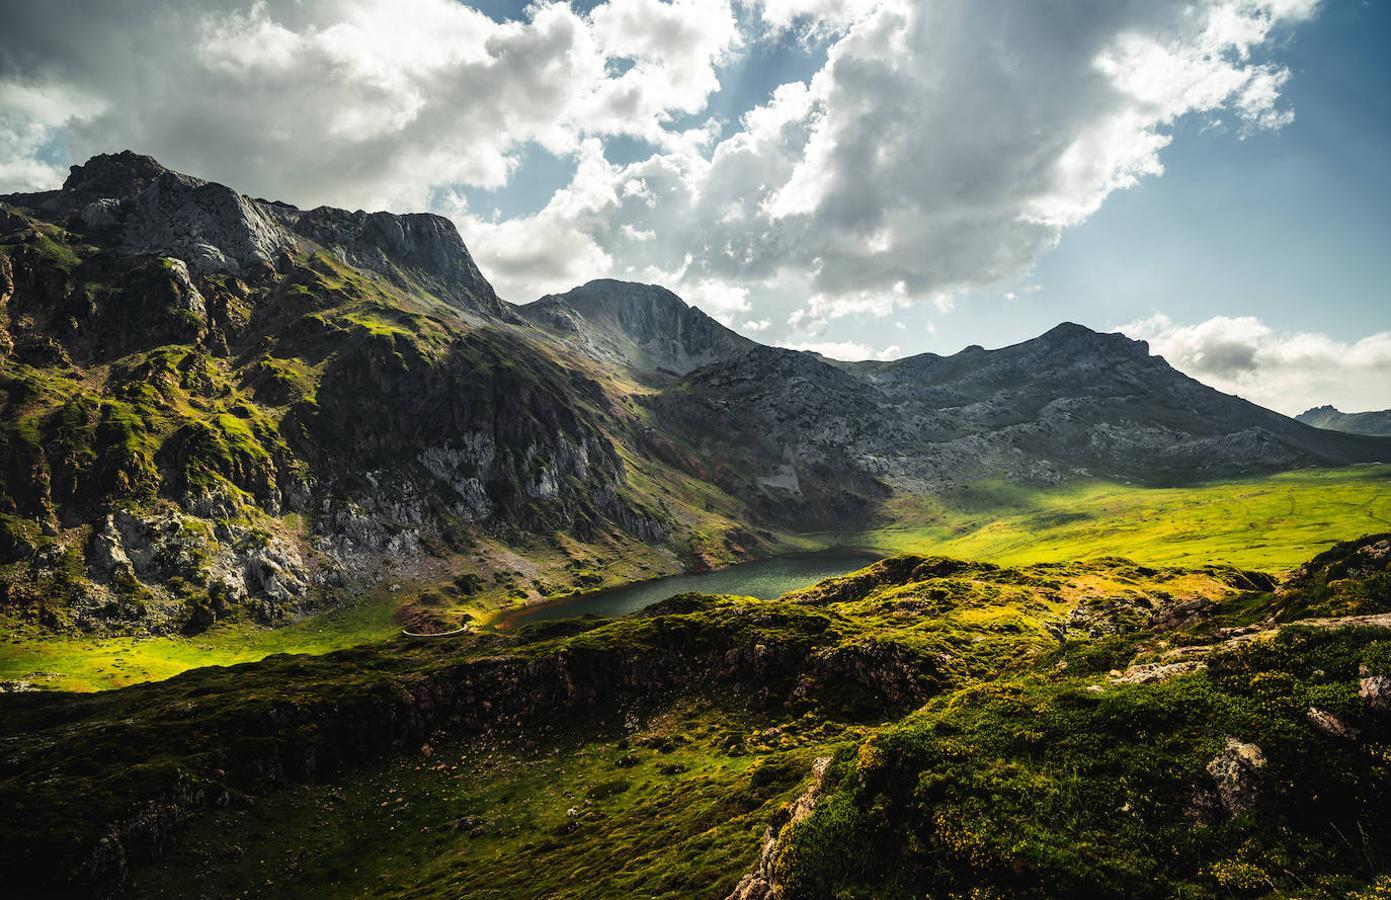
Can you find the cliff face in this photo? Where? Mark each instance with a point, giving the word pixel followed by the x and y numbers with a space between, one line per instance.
pixel 212 404
pixel 419 249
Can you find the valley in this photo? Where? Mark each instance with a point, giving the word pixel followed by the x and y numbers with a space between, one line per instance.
pixel 738 621
pixel 1269 524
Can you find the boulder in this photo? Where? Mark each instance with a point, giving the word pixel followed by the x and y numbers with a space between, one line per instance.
pixel 1236 772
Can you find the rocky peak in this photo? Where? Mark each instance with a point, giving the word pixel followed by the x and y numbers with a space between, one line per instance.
pixel 207 225
pixel 1069 336
pixel 113 175
pixel 643 325
pixel 417 246
pixel 149 209
pixel 1375 423
pixel 214 228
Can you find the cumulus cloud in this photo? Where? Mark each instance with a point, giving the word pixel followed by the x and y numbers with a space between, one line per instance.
pixel 362 103
pixel 940 149
pixel 1286 371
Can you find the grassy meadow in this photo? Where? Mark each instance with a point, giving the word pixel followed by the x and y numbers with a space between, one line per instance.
pixel 1270 523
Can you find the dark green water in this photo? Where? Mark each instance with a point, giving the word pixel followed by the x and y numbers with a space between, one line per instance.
pixel 765 579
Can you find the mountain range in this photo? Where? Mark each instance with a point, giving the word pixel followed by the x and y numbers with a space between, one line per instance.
pixel 218 406
pixel 1376 422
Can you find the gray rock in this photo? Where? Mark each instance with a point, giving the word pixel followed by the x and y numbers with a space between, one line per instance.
pixel 106 552
pixel 644 326
pixel 1236 771
pixel 420 246
pixel 102 213
pixel 761 883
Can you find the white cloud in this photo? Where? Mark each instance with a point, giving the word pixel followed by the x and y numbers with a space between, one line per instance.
pixel 941 149
pixel 674 48
pixel 879 183
pixel 31 117
pixel 845 350
pixel 1286 371
pixel 754 326
pixel 717 298
pixel 361 103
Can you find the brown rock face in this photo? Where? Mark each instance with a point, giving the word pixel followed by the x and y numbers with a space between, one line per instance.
pixel 1330 725
pixel 1376 691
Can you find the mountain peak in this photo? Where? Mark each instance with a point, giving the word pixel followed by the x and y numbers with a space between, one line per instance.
pixel 1068 329
pixel 645 326
pixel 1070 335
pixel 151 209
pixel 114 175
pixel 422 246
pixel 1376 423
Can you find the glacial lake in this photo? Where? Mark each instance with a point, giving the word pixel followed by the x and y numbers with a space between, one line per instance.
pixel 765 579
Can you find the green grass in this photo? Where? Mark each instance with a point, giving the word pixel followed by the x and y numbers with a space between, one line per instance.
pixel 981 748
pixel 674 807
pixel 1270 523
pixel 56 661
pixel 61 662
pixel 1052 785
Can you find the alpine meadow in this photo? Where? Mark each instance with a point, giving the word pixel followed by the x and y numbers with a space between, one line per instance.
pixel 731 449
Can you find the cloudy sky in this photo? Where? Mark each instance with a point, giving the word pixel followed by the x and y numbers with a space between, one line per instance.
pixel 860 177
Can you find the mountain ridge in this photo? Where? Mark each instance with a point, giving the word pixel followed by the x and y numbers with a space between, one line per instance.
pixel 217 229
pixel 644 326
pixel 213 405
pixel 1375 423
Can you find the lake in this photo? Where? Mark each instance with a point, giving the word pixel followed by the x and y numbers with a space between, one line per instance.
pixel 765 579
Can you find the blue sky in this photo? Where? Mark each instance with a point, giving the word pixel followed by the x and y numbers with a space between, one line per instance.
pixel 856 177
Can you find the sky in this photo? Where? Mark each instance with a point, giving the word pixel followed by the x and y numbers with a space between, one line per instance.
pixel 864 178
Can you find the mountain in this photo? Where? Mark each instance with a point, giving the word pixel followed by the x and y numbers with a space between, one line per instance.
pixel 644 327
pixel 215 407
pixel 1376 423
pixel 819 440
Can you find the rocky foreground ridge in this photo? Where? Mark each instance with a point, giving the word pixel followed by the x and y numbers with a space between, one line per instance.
pixel 964 726
pixel 215 406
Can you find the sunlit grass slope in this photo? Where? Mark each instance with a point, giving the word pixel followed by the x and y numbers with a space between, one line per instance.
pixel 1269 523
